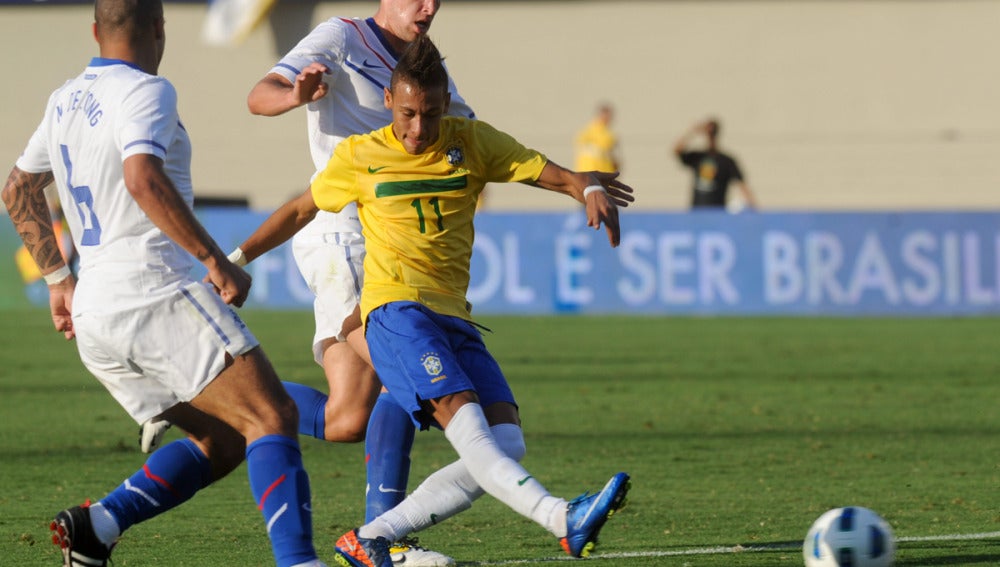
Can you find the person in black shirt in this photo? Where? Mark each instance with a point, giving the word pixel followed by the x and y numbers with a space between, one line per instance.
pixel 713 169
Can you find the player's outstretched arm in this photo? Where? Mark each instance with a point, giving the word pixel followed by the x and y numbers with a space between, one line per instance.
pixel 601 193
pixel 280 226
pixel 24 196
pixel 274 94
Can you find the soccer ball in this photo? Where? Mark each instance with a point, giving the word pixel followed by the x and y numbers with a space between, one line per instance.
pixel 849 537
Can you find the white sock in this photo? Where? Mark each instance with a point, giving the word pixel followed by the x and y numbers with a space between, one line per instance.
pixel 499 475
pixel 105 527
pixel 446 492
pixel 443 494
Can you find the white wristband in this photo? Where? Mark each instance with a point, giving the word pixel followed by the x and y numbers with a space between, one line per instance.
pixel 238 257
pixel 592 189
pixel 58 275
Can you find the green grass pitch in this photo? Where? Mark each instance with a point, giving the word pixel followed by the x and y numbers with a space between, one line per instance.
pixel 738 433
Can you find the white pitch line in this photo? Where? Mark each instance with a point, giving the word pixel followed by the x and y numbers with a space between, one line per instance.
pixel 952 537
pixel 720 550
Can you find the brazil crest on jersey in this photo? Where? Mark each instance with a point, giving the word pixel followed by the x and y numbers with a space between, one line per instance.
pixel 417 210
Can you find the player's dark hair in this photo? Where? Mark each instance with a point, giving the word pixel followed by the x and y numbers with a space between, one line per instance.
pixel 129 17
pixel 420 65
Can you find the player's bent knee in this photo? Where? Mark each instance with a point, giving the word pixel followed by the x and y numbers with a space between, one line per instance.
pixel 344 433
pixel 249 397
pixel 501 412
pixel 346 424
pixel 284 417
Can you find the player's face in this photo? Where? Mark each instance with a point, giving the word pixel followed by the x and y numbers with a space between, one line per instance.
pixel 407 19
pixel 416 115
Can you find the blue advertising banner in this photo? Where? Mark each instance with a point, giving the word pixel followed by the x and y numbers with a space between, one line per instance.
pixel 920 264
pixel 706 263
pixel 717 263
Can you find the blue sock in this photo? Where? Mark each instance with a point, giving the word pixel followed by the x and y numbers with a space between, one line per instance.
pixel 171 476
pixel 312 409
pixel 280 487
pixel 387 456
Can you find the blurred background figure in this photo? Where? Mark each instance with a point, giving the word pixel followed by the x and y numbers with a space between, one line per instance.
pixel 596 145
pixel 713 170
pixel 228 23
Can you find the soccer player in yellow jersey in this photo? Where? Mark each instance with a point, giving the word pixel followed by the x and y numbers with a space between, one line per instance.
pixel 416 182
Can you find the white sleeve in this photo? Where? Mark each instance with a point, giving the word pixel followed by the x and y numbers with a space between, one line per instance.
pixel 148 121
pixel 326 44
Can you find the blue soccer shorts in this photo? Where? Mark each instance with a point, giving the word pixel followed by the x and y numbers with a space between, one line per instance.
pixel 421 355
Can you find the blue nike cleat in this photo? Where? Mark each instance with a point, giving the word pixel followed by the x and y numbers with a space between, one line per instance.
pixel 355 551
pixel 587 513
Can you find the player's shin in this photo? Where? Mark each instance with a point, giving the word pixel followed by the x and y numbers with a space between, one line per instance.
pixel 443 494
pixel 500 475
pixel 280 487
pixel 171 476
pixel 387 456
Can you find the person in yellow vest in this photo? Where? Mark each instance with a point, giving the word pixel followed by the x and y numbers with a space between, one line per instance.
pixel 596 145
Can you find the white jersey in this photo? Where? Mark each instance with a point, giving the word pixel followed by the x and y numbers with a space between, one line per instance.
pixel 361 63
pixel 91 125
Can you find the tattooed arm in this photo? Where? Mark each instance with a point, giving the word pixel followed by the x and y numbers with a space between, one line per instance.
pixel 24 196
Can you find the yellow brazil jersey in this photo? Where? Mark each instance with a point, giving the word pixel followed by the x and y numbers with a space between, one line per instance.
pixel 595 148
pixel 417 210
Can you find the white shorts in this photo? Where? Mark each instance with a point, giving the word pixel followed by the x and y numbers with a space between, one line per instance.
pixel 155 355
pixel 332 265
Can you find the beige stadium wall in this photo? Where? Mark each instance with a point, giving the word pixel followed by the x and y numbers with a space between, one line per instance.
pixel 854 104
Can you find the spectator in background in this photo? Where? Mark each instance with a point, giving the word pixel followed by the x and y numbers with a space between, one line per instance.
pixel 713 169
pixel 596 145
